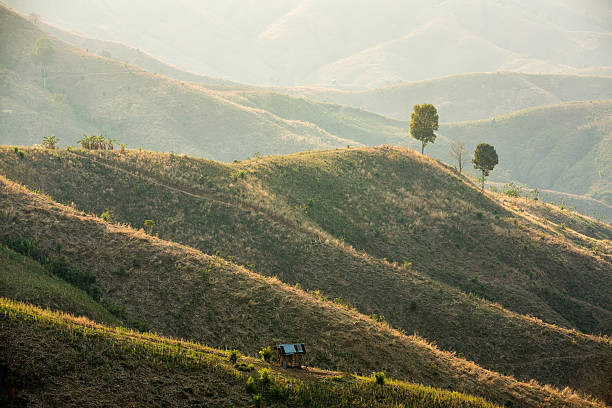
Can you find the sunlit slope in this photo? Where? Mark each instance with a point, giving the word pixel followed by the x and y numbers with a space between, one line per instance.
pixel 269 214
pixel 180 291
pixel 470 96
pixel 564 147
pixel 172 372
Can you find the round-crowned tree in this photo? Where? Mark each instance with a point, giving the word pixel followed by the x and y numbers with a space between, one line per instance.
pixel 423 124
pixel 485 159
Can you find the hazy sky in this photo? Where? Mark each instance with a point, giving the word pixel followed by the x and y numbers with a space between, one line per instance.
pixel 347 42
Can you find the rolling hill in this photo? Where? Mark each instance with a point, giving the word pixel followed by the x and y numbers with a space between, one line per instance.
pixel 469 97
pixel 315 42
pixel 87 93
pixel 151 369
pixel 178 290
pixel 90 94
pixel 280 216
pixel 565 147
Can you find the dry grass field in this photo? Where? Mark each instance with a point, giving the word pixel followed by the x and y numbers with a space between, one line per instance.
pixel 245 215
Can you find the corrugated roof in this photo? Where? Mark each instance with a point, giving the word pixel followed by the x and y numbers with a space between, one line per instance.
pixel 295 348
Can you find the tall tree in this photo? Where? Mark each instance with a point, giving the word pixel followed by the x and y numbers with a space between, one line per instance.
pixel 43 55
pixel 459 153
pixel 485 159
pixel 423 124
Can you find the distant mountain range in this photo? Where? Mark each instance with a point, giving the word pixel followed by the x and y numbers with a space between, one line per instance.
pixel 340 43
pixel 467 97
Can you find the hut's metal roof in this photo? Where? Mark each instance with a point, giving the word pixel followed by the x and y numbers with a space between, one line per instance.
pixel 287 349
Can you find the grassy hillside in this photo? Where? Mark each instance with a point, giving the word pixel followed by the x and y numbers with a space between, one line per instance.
pixel 87 93
pixel 291 217
pixel 24 279
pixel 564 147
pixel 147 368
pixel 138 107
pixel 586 205
pixel 180 291
pixel 362 127
pixel 470 96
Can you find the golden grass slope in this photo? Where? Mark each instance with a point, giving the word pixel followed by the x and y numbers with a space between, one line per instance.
pixel 180 290
pixel 107 366
pixel 214 207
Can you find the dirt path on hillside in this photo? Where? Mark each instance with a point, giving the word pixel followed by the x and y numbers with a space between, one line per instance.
pixel 202 195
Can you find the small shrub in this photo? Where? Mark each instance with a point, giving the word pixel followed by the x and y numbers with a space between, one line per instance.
pixel 149 225
pixel 413 305
pixel 206 273
pixel 379 377
pixel 257 401
pixel 19 153
pixel 120 272
pixel 139 325
pixel 264 377
pixel 513 190
pixel 275 392
pixel 244 367
pixel 235 175
pixel 50 142
pixel 24 246
pixel 108 215
pixel 266 354
pixel 233 356
pixel 251 387
pixel 378 318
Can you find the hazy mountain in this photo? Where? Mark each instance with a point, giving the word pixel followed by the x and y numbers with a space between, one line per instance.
pixel 470 96
pixel 87 93
pixel 365 44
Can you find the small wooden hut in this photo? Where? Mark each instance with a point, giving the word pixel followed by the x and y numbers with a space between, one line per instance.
pixel 290 355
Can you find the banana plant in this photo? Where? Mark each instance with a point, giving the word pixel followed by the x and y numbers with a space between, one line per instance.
pixel 50 141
